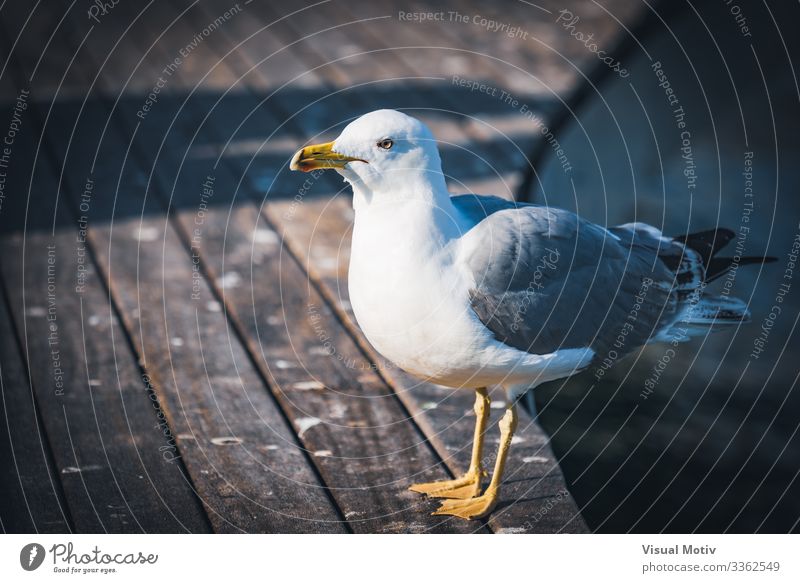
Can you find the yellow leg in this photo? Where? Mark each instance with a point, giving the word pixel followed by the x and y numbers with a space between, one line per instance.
pixel 482 505
pixel 468 485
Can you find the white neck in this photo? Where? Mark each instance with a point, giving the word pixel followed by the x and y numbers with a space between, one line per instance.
pixel 416 206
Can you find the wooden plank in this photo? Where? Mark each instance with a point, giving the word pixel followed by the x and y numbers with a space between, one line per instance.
pixel 32 496
pixel 363 446
pixel 209 59
pixel 552 51
pixel 112 466
pixel 480 54
pixel 237 447
pixel 117 466
pixel 250 471
pixel 265 59
pixel 155 26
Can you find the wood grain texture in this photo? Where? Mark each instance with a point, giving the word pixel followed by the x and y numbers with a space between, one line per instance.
pixel 236 445
pixel 101 427
pixel 32 495
pixel 105 436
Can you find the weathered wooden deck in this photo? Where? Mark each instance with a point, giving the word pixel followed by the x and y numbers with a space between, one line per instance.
pixel 178 349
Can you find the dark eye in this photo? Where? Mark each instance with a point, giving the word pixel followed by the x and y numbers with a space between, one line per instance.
pixel 386 144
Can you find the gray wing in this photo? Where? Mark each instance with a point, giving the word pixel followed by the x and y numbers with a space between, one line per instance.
pixel 546 279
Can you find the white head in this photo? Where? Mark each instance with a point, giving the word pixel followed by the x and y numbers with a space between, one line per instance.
pixel 382 152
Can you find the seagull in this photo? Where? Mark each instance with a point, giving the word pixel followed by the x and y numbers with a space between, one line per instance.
pixel 471 291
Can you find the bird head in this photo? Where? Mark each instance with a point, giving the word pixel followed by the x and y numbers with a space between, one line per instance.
pixel 377 152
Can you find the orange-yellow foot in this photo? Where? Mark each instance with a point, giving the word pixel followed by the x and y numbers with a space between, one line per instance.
pixel 467 486
pixel 471 508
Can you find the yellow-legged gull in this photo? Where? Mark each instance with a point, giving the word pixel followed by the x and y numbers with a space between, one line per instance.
pixel 470 291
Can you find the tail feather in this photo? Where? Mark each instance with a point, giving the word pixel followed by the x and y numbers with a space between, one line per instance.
pixel 719 266
pixel 707 314
pixel 716 310
pixel 708 243
pixel 697 265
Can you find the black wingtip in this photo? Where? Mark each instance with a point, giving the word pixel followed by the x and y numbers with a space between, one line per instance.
pixel 707 243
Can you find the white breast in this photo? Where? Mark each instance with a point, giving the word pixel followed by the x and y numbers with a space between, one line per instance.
pixel 411 299
pixel 408 300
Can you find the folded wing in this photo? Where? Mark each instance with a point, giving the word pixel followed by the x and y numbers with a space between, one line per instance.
pixel 545 280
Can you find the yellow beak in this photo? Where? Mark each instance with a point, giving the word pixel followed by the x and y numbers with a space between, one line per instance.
pixel 319 156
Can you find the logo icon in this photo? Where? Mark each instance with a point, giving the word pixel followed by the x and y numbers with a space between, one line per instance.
pixel 31 556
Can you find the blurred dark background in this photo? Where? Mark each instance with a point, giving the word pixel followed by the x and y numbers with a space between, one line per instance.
pixel 714 446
